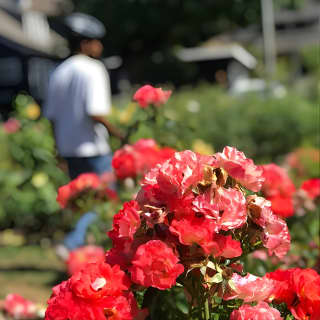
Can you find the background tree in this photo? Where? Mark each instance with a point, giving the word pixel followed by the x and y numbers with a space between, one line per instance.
pixel 145 32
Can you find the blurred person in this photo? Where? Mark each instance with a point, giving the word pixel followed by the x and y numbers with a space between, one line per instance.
pixel 78 103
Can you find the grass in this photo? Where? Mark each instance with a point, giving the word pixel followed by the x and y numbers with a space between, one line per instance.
pixel 30 271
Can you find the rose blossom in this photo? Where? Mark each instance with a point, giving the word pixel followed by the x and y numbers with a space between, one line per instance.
pixel 126 221
pixel 97 291
pixel 64 194
pixel 155 265
pixel 250 288
pixel 276 235
pixel 262 311
pixel 83 182
pixel 147 95
pixel 65 305
pixel 98 280
pixel 175 176
pixel 278 189
pixel 227 207
pixel 299 289
pixel 124 162
pixel 240 168
pixel 135 160
pixel 195 230
pixel 229 248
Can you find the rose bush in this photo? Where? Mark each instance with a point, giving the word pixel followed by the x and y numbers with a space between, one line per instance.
pixel 193 221
pixel 181 245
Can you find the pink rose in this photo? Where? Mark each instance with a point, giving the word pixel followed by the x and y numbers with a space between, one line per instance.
pixel 240 168
pixel 147 95
pixel 261 311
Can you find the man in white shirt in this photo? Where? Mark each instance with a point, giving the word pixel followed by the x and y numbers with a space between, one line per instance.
pixel 78 102
pixel 79 99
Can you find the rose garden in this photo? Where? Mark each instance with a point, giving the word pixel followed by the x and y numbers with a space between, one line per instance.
pixel 188 232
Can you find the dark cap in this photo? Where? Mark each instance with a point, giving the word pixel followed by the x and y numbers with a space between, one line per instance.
pixel 83 25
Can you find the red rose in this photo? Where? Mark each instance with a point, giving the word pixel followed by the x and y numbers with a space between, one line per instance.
pixel 99 280
pixel 229 248
pixel 124 162
pixel 64 304
pixel 135 160
pixel 85 181
pixel 147 95
pixel 299 289
pixel 155 265
pixel 64 194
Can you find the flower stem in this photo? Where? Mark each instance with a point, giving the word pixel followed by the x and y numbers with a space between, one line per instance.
pixel 206 309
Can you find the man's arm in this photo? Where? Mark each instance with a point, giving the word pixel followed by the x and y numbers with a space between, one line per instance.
pixel 111 129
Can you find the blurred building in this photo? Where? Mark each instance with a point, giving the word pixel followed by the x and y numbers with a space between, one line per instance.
pixel 29 47
pixel 224 58
pixel 295 30
pixel 223 63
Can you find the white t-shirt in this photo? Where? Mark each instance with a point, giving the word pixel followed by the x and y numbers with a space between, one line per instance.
pixel 79 88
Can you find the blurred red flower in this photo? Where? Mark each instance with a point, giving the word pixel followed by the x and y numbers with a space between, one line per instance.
pixel 83 182
pixel 12 125
pixel 80 257
pixel 147 95
pixel 135 160
pixel 277 181
pixel 282 205
pixel 312 187
pixel 19 307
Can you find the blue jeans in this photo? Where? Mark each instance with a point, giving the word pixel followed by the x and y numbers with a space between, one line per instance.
pixel 77 237
pixel 76 166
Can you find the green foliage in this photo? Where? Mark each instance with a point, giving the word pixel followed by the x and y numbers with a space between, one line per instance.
pixel 133 26
pixel 29 176
pixel 311 58
pixel 262 126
